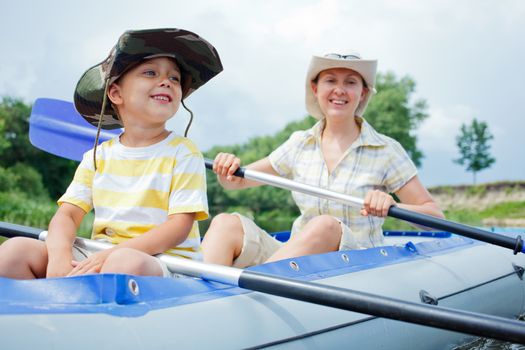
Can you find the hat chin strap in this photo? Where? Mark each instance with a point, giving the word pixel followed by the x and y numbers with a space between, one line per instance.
pixel 191 118
pixel 99 125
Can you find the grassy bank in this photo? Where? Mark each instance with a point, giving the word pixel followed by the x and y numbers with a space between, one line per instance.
pixel 500 214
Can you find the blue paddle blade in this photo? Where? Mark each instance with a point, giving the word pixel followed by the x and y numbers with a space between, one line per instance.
pixel 56 127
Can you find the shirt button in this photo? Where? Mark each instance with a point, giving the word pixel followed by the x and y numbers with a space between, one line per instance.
pixel 110 232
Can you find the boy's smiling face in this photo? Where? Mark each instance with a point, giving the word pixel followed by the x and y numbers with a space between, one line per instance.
pixel 148 94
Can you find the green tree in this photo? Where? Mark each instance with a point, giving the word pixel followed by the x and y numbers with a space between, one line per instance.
pixel 392 112
pixel 14 115
pixel 4 143
pixel 15 148
pixel 474 148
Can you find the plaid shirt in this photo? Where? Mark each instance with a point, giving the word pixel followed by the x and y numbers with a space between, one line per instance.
pixel 373 161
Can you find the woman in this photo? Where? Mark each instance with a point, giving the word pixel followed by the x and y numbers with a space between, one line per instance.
pixel 341 153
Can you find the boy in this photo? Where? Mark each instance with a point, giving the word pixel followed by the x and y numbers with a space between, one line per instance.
pixel 147 186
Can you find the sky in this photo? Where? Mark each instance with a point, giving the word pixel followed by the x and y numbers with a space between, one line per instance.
pixel 466 57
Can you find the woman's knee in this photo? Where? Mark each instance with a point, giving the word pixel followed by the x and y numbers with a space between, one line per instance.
pixel 225 227
pixel 325 223
pixel 323 229
pixel 226 221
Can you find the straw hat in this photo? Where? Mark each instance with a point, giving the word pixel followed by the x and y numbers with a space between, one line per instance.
pixel 353 61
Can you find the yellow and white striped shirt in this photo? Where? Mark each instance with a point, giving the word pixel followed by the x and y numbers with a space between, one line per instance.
pixel 373 161
pixel 134 189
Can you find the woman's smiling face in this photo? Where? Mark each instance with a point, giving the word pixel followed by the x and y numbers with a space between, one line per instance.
pixel 339 91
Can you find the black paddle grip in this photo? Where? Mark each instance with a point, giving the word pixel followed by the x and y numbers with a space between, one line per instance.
pixel 13 230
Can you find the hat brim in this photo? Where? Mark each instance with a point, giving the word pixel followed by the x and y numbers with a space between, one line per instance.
pixel 366 68
pixel 197 59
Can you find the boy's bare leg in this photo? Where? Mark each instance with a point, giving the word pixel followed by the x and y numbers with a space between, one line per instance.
pixel 23 258
pixel 132 262
pixel 223 241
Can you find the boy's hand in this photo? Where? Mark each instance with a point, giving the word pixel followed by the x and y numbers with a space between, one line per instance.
pixel 60 239
pixel 377 203
pixel 225 165
pixel 58 267
pixel 92 264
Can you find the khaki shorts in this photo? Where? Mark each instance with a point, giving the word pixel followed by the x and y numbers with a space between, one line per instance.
pixel 258 245
pixel 80 254
pixel 352 241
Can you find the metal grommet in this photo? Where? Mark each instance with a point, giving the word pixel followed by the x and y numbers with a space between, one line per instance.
pixel 383 252
pixel 345 258
pixel 294 266
pixel 133 287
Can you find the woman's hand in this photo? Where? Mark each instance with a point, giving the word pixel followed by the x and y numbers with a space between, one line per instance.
pixel 225 165
pixel 91 264
pixel 377 203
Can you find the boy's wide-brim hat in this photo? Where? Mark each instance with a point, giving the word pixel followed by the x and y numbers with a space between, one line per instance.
pixel 366 68
pixel 197 59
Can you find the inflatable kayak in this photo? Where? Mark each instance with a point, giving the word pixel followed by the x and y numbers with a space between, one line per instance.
pixel 428 268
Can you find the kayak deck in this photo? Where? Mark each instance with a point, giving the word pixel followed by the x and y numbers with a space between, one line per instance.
pixel 125 295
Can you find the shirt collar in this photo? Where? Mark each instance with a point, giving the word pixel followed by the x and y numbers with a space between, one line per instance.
pixel 367 137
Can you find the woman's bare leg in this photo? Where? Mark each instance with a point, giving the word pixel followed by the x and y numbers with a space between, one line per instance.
pixel 320 235
pixel 223 241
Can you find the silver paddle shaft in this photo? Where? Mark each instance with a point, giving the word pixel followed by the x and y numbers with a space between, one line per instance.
pixel 303 188
pixel 188 267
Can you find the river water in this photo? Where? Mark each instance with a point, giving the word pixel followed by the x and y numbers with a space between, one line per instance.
pixel 490 344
